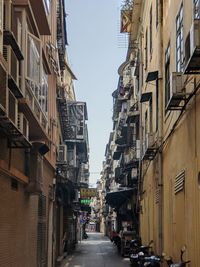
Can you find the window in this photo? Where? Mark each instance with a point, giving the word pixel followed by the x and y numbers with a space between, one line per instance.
pixel 157 13
pixel 43 94
pixel 150 116
pixel 179 40
pixel 33 58
pixel 157 103
pixel 145 124
pixel 47 6
pixel 150 31
pixel 196 9
pixel 167 75
pixel 36 75
pixel 1 15
pixel 146 50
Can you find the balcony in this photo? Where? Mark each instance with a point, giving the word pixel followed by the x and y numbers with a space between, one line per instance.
pixel 117 154
pixel 9 40
pixel 192 49
pixel 119 175
pixel 12 60
pixel 31 107
pixel 61 32
pixel 11 125
pixel 72 175
pixel 133 114
pixel 72 119
pixel 125 96
pixel 132 156
pixel 38 12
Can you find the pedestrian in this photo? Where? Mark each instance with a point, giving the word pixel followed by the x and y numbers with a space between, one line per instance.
pixel 65 242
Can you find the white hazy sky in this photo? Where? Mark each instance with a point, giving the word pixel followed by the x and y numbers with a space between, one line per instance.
pixel 96 49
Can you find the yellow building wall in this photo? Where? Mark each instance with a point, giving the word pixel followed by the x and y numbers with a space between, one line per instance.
pixel 181 211
pixel 149 218
pixel 180 219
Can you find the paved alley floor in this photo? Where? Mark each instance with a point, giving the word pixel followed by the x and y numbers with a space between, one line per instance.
pixel 96 251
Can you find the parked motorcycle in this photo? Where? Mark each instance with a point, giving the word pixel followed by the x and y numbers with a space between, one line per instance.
pixel 182 262
pixel 152 261
pixel 140 254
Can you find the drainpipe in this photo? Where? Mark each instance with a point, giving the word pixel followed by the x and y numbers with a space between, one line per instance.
pixel 160 123
pixel 27 162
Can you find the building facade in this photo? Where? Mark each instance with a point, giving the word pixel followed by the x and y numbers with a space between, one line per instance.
pixel 161 107
pixel 35 194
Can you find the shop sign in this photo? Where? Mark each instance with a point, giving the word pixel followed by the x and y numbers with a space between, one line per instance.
pixel 88 192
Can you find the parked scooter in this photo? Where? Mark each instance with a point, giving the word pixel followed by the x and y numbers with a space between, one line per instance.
pixel 140 254
pixel 151 261
pixel 170 262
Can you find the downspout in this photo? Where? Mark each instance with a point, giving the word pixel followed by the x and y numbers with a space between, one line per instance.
pixel 160 124
pixel 27 162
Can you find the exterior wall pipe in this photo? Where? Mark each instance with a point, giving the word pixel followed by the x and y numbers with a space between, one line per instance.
pixel 160 85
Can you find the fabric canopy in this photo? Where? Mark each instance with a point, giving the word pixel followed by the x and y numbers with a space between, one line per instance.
pixel 117 198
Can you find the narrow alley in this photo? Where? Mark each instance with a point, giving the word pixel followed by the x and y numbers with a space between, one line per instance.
pixel 99 133
pixel 96 251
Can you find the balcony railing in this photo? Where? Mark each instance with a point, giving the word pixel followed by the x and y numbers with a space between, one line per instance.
pixel 72 117
pixel 31 107
pixel 10 123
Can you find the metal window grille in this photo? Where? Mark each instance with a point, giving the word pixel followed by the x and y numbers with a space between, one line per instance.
pixel 179 40
pixel 157 196
pixel 146 49
pixel 167 75
pixel 150 31
pixel 197 9
pixel 157 13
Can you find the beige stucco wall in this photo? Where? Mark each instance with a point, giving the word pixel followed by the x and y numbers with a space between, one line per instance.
pixel 181 211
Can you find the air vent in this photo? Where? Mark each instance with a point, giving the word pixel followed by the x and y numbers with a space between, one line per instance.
pixel 179 182
pixel 5 52
pixel 157 196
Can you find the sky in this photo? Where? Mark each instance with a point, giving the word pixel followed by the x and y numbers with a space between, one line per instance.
pixel 96 49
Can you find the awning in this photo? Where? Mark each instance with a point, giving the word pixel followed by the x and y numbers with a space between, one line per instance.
pixel 118 198
pixel 145 97
pixel 116 155
pixel 152 76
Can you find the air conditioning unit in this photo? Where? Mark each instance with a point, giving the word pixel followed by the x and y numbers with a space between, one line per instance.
pixel 149 147
pixel 12 111
pixel 192 49
pixel 137 149
pixel 177 93
pixel 23 125
pixel 4 92
pixel 62 153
